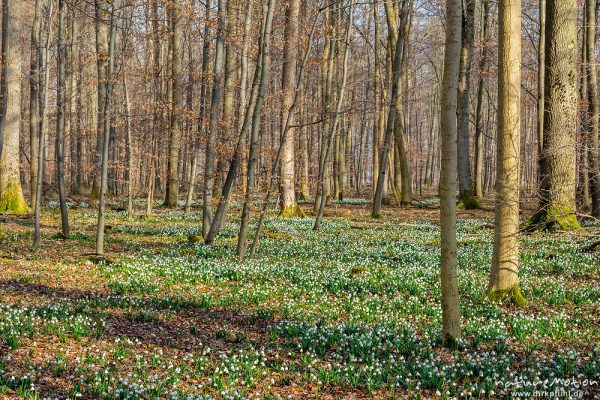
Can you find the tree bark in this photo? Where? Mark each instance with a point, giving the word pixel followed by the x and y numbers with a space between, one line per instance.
pixel 172 192
pixel 451 320
pixel 60 119
pixel 466 197
pixel 479 184
pixel 593 143
pixel 209 167
pixel 504 275
pixel 557 205
pixel 11 191
pixel 289 208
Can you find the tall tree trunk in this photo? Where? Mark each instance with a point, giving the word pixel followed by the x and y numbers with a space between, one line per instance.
pixel 34 97
pixel 478 184
pixel 107 114
pixel 541 89
pixel 466 198
pixel 289 208
pixel 451 321
pixel 504 275
pixel 11 191
pixel 101 65
pixel 172 191
pixel 594 105
pixel 209 167
pixel 557 206
pixel 129 145
pixel 60 119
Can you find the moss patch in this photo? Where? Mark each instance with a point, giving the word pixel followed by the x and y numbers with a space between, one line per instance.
pixel 554 218
pixel 467 201
pixel 513 294
pixel 292 211
pixel 12 200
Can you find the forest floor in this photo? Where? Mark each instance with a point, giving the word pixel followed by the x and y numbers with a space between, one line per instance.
pixel 350 312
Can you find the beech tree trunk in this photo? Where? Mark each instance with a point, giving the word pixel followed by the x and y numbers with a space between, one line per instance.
pixel 593 142
pixel 60 119
pixel 172 192
pixel 558 157
pixel 451 321
pixel 479 143
pixel 289 208
pixel 504 275
pixel 11 190
pixel 466 198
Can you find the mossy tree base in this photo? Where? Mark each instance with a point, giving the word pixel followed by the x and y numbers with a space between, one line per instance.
pixel 468 201
pixel 12 200
pixel 292 211
pixel 513 295
pixel 554 218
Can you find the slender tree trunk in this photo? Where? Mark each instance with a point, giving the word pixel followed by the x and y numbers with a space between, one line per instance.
pixel 34 97
pixel 593 143
pixel 60 119
pixel 451 321
pixel 209 168
pixel 107 114
pixel 101 65
pixel 557 206
pixel 504 275
pixel 129 140
pixel 478 185
pixel 11 191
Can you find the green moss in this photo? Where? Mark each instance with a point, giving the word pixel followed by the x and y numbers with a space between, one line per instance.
pixel 552 218
pixel 195 239
pixel 512 294
pixel 275 235
pixel 467 201
pixel 292 211
pixel 377 216
pixel 12 200
pixel 95 192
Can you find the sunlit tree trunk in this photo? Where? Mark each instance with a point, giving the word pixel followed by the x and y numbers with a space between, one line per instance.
pixel 504 275
pixel 289 207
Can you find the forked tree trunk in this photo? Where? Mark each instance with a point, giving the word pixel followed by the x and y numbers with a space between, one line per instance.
pixel 504 275
pixel 451 321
